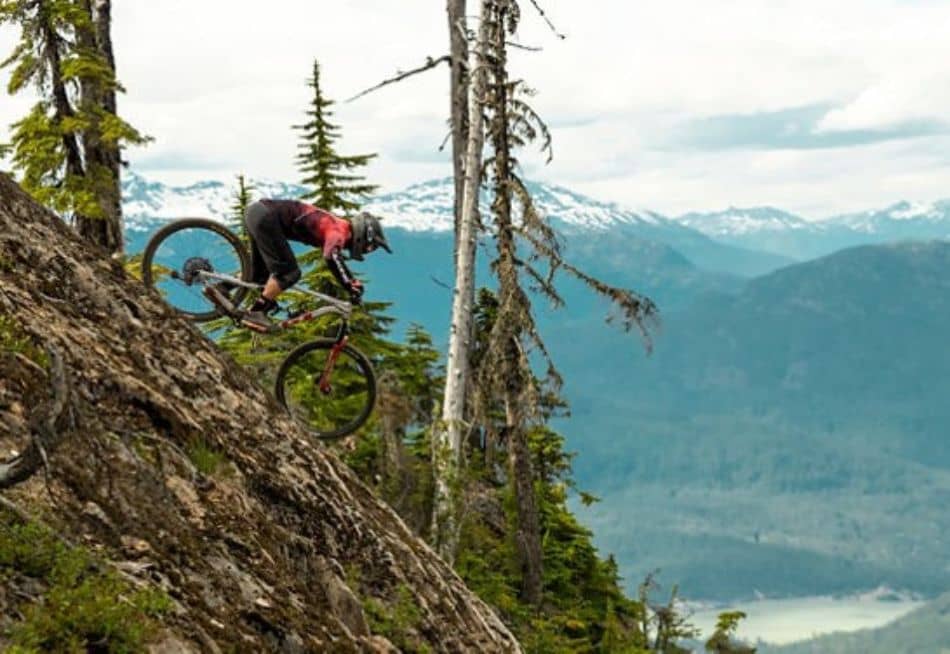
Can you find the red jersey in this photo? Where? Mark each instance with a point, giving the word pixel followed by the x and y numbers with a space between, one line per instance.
pixel 308 224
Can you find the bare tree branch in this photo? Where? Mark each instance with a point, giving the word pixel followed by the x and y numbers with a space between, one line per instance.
pixel 547 20
pixel 43 427
pixel 439 282
pixel 529 48
pixel 401 75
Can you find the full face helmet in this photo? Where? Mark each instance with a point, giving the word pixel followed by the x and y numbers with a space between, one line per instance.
pixel 367 235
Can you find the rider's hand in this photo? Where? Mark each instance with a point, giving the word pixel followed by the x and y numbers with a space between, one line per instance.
pixel 356 291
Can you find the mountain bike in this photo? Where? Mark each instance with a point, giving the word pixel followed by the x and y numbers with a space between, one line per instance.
pixel 203 270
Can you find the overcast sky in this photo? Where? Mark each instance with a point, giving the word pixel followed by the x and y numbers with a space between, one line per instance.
pixel 675 105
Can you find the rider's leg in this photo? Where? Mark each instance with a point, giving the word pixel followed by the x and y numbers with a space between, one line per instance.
pixel 273 249
pixel 273 254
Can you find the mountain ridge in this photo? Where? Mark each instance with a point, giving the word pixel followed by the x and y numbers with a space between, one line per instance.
pixel 426 206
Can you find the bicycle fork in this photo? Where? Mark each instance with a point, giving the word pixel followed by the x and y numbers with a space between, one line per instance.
pixel 341 338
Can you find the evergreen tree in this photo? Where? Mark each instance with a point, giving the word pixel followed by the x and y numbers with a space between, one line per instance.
pixel 66 148
pixel 721 642
pixel 328 174
pixel 242 198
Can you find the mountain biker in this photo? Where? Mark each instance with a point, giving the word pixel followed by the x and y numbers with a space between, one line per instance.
pixel 273 223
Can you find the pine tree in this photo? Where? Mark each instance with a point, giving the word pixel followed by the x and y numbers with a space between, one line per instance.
pixel 328 174
pixel 504 371
pixel 242 198
pixel 67 147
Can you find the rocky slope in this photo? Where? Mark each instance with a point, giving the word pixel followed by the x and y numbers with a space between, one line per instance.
pixel 283 549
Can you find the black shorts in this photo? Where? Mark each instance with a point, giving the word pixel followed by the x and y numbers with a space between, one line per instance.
pixel 271 255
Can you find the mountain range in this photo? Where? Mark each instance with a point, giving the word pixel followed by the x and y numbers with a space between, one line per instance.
pixel 788 435
pixel 762 238
pixel 773 230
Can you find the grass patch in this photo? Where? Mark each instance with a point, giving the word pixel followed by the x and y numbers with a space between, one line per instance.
pixel 133 265
pixel 207 459
pixel 13 339
pixel 398 623
pixel 86 607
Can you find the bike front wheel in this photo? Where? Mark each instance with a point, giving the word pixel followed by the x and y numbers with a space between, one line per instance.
pixel 331 398
pixel 179 250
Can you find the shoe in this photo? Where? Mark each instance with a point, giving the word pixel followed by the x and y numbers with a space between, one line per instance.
pixel 258 321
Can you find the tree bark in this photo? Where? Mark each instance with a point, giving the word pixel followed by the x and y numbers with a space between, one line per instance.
pixel 458 93
pixel 103 159
pixel 529 532
pixel 61 105
pixel 447 441
pixel 515 368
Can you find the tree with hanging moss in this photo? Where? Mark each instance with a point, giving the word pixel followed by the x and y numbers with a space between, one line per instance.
pixel 67 148
pixel 330 177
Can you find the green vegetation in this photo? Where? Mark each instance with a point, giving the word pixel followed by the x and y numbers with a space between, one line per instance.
pixel 399 623
pixel 794 432
pixel 721 640
pixel 330 175
pixel 208 460
pixel 84 605
pixel 14 340
pixel 67 148
pixel 583 607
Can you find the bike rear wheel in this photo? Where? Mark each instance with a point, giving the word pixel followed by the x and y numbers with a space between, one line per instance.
pixel 332 412
pixel 189 245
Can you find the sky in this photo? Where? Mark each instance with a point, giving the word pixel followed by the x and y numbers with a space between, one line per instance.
pixel 672 105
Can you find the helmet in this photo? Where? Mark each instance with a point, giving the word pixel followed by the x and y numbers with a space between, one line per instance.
pixel 367 235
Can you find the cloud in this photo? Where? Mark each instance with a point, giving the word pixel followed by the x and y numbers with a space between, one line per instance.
pixel 794 128
pixel 640 93
pixel 915 97
pixel 814 183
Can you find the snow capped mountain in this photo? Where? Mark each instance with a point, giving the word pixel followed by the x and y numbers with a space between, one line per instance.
pixel 761 238
pixel 426 206
pixel 144 201
pixel 735 221
pixel 772 230
pixel 900 215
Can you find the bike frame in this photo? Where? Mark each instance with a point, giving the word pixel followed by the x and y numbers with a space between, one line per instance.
pixel 341 308
pixel 334 306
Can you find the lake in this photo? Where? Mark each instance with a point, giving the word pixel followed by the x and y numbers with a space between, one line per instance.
pixel 781 621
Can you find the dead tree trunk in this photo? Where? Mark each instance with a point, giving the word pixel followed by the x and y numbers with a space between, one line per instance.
pixel 447 441
pixel 103 158
pixel 458 92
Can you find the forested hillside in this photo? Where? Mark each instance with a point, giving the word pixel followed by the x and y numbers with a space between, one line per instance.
pixel 795 432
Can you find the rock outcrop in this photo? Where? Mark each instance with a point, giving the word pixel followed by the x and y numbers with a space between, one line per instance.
pixel 283 550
